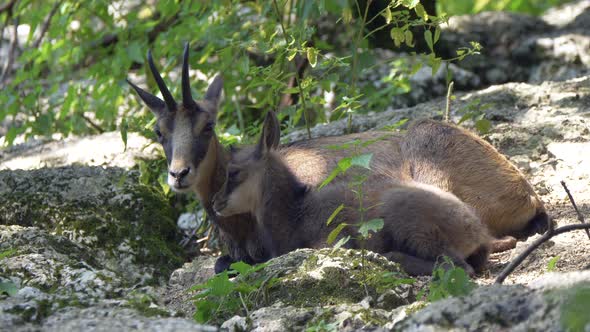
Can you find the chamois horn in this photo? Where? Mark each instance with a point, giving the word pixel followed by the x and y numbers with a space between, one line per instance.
pixel 161 85
pixel 187 98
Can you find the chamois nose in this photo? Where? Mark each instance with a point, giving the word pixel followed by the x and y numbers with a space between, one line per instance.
pixel 178 175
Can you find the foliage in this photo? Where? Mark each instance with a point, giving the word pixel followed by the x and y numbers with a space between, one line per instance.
pixel 70 75
pixel 574 312
pixel 8 287
pixel 475 112
pixel 552 264
pixel 533 7
pixel 220 297
pixel 447 281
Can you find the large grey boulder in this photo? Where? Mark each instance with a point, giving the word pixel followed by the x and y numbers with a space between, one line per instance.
pixel 74 236
pixel 127 227
pixel 555 302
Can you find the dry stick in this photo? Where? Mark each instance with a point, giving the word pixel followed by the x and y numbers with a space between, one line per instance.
pixel 46 24
pixel 580 216
pixel 520 258
pixel 449 95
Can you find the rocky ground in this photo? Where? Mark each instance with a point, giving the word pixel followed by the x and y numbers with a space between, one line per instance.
pixel 85 246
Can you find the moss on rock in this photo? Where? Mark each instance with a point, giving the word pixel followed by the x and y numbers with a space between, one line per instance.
pixel 129 227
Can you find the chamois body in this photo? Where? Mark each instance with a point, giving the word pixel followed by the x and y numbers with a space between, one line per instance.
pixel 455 160
pixel 197 162
pixel 421 222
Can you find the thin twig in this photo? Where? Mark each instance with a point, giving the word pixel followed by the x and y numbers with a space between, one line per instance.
pixel 46 24
pixel 92 124
pixel 11 52
pixel 244 304
pixel 355 55
pixel 449 95
pixel 520 258
pixel 580 216
pixel 7 6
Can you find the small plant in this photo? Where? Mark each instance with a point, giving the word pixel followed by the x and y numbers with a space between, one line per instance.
pixel 453 281
pixel 475 111
pixel 574 312
pixel 322 326
pixel 552 264
pixel 220 297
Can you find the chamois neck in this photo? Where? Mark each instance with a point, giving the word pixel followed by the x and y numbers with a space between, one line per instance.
pixel 213 175
pixel 279 213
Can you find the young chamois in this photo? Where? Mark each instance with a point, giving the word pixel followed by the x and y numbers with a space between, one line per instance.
pixel 421 222
pixel 197 163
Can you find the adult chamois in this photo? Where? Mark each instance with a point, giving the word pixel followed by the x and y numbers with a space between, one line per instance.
pixel 421 222
pixel 197 162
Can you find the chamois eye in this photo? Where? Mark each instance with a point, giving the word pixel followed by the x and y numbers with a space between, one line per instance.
pixel 208 127
pixel 158 133
pixel 233 173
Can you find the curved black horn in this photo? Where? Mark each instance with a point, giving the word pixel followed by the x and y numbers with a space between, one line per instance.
pixel 161 85
pixel 187 98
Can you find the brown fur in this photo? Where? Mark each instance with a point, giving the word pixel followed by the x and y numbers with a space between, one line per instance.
pixel 192 148
pixel 457 161
pixel 421 221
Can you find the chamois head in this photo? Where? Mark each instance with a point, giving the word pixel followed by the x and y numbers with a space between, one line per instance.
pixel 186 129
pixel 241 191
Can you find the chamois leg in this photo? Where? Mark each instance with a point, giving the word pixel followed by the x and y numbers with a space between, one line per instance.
pixel 503 244
pixel 413 265
pixel 416 266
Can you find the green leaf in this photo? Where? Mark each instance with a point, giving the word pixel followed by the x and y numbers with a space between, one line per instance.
pixel 436 34
pixel 459 283
pixel 241 267
pixel 8 287
pixel 421 12
pixel 397 35
pixel 292 55
pixel 483 125
pixel 552 264
pixel 312 56
pixel 135 52
pixel 204 310
pixel 334 214
pixel 387 15
pixel 220 285
pixel 363 160
pixel 373 225
pixel 409 37
pixel 335 232
pixel 341 242
pixel 435 63
pixel 428 39
pixel 410 3
pixel 342 166
pixel 124 127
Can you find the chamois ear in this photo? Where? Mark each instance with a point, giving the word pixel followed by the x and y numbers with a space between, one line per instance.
pixel 156 105
pixel 213 93
pixel 270 136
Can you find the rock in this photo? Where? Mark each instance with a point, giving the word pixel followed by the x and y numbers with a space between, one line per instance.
pixel 106 150
pixel 124 227
pixel 326 288
pixel 556 303
pixel 176 296
pixel 108 316
pixel 528 107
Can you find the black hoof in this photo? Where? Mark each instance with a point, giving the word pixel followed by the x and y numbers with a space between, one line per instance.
pixel 223 263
